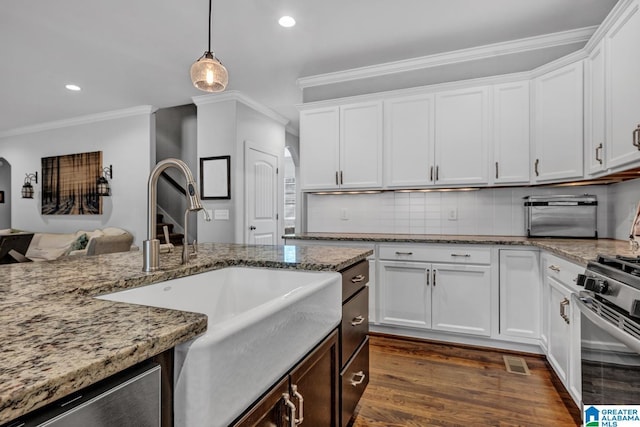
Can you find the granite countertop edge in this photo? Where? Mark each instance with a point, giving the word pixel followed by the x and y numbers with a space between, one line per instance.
pixel 579 251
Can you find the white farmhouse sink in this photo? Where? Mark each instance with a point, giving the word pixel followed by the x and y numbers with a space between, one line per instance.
pixel 260 322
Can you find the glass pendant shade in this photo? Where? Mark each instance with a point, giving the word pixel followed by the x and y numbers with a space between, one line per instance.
pixel 103 186
pixel 27 191
pixel 208 74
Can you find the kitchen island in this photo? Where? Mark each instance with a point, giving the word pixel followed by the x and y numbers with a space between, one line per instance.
pixel 57 338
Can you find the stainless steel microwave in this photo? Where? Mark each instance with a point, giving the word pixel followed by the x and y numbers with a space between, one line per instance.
pixel 561 216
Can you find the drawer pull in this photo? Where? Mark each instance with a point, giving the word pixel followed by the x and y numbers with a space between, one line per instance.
pixel 358 320
pixel 563 304
pixel 554 268
pixel 357 279
pixel 404 253
pixel 360 375
pixel 292 409
pixel 462 255
pixel 294 389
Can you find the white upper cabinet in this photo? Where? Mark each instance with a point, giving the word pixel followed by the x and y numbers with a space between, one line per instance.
pixel 361 145
pixel 408 141
pixel 341 147
pixel 623 88
pixel 320 148
pixel 558 125
pixel 462 137
pixel 594 111
pixel 511 133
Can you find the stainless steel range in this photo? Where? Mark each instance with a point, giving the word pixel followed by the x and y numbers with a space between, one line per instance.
pixel 610 331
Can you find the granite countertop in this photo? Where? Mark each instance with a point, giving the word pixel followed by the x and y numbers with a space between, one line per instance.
pixel 57 339
pixel 580 251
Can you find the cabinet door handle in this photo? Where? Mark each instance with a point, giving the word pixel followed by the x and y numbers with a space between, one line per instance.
pixel 554 268
pixel 341 180
pixel 462 255
pixel 337 182
pixel 563 305
pixel 357 279
pixel 535 167
pixel 292 409
pixel 404 253
pixel 599 153
pixel 294 389
pixel 428 277
pixel 434 277
pixel 437 173
pixel 496 170
pixel 431 174
pixel 358 320
pixel 636 137
pixel 360 375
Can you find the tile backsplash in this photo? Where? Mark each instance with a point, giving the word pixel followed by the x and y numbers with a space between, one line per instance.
pixel 491 211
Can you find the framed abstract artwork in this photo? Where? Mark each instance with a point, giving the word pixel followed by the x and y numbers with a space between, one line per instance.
pixel 69 184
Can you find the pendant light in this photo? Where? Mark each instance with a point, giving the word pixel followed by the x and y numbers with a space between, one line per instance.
pixel 208 73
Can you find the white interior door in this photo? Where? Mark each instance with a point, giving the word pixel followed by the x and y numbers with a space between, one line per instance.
pixel 261 175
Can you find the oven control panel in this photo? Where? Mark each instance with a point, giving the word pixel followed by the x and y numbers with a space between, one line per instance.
pixel 593 284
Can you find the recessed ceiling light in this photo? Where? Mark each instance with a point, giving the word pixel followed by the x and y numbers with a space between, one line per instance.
pixel 72 87
pixel 287 21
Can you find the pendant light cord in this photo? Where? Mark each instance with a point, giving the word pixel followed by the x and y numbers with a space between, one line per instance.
pixel 209 50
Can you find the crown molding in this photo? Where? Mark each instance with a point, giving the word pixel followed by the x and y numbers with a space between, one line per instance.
pixel 571 58
pixel 81 120
pixel 234 95
pixel 463 55
pixel 418 90
pixel 613 16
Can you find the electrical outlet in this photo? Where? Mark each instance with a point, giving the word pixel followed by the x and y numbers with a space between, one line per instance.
pixel 452 214
pixel 344 214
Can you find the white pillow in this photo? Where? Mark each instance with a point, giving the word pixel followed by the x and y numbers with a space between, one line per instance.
pixel 113 231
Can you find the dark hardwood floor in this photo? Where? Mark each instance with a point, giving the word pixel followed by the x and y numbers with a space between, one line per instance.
pixel 417 383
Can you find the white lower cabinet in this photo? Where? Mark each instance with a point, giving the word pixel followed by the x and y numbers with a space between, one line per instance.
pixel 520 294
pixel 461 299
pixel 439 296
pixel 404 294
pixel 562 329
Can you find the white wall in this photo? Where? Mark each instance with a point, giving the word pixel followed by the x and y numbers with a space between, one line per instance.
pixel 125 141
pixel 493 211
pixel 225 123
pixel 217 137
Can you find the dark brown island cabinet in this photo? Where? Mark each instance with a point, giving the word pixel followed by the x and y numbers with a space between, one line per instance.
pixel 325 387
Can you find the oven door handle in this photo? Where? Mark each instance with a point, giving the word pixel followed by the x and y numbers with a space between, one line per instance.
pixel 620 335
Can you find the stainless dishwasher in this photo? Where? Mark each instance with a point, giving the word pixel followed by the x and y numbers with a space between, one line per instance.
pixel 128 399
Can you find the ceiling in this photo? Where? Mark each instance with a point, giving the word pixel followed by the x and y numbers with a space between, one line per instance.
pixel 127 53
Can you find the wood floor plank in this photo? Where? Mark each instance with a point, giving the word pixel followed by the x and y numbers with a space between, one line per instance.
pixel 421 384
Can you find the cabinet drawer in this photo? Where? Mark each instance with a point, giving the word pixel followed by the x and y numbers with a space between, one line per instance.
pixel 562 270
pixel 355 323
pixel 354 278
pixel 353 381
pixel 437 253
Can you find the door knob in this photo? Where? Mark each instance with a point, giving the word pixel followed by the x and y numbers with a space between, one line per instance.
pixel 252 227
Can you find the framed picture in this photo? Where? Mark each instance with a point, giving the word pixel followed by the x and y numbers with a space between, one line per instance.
pixel 1 196
pixel 69 184
pixel 215 177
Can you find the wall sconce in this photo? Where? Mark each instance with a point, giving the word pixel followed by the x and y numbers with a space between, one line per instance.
pixel 103 185
pixel 27 188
